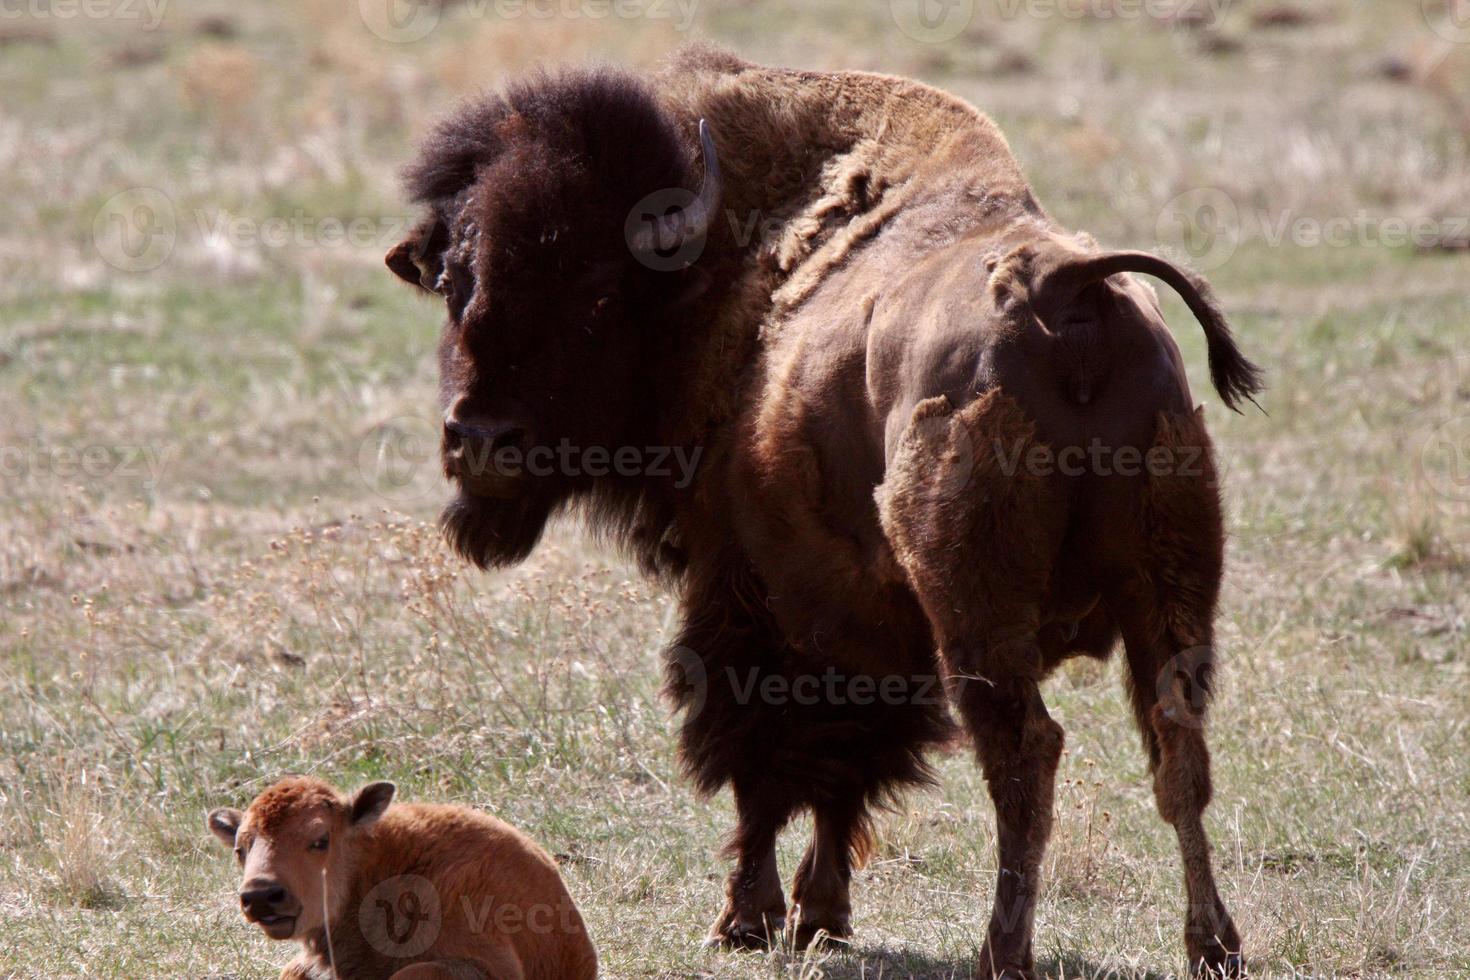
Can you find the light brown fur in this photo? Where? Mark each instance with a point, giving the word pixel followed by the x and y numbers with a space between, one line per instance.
pixel 908 272
pixel 412 892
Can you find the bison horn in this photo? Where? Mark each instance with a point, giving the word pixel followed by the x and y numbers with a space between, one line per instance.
pixel 669 232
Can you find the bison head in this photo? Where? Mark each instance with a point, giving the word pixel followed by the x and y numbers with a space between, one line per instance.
pixel 560 234
pixel 297 846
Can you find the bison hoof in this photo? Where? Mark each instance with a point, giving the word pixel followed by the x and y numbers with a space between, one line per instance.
pixel 818 932
pixel 1009 973
pixel 992 969
pixel 734 931
pixel 1217 963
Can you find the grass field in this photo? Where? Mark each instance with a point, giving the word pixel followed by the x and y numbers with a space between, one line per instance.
pixel 218 564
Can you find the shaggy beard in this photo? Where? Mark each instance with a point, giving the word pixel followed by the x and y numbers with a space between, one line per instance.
pixel 494 533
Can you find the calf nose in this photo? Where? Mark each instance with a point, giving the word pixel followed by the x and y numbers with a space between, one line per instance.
pixel 261 899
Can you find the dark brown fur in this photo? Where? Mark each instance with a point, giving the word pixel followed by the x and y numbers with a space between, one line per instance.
pixel 881 321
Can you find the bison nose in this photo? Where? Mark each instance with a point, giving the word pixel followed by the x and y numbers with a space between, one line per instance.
pixel 494 435
pixel 262 899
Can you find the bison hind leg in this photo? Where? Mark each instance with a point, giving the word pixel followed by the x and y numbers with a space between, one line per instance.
pixel 820 897
pixel 977 532
pixel 1165 605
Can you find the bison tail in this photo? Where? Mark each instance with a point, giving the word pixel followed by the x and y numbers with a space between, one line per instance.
pixel 1233 374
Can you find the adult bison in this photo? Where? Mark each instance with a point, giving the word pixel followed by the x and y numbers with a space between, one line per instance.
pixel 939 436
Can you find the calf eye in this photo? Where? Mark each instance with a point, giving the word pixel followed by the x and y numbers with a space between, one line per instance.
pixel 320 844
pixel 240 854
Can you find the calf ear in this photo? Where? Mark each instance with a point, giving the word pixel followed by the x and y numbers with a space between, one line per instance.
pixel 419 259
pixel 223 823
pixel 369 802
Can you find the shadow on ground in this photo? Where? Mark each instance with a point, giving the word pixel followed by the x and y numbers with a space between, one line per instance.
pixel 878 963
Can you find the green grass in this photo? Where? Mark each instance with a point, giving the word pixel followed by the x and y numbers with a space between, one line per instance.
pixel 172 639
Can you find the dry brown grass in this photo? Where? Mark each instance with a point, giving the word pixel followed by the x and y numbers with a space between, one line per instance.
pixel 227 588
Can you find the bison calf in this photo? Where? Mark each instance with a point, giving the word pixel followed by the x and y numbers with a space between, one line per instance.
pixel 412 892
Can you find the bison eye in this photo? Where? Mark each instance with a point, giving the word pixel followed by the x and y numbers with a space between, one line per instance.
pixel 240 854
pixel 455 285
pixel 320 844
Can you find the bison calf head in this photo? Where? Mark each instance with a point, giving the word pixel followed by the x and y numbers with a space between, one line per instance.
pixel 297 845
pixel 558 233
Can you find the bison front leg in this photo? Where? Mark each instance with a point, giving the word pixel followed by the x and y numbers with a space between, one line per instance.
pixel 977 536
pixel 729 736
pixel 755 906
pixel 819 893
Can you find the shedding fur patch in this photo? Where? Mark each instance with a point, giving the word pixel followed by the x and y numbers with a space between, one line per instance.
pixel 975 530
pixel 1183 528
pixel 820 164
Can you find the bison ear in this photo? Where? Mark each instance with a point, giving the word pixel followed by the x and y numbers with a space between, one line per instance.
pixel 224 823
pixel 400 260
pixel 369 802
pixel 419 259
